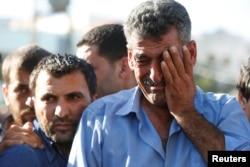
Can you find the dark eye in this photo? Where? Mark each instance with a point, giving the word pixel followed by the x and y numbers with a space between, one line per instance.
pixel 48 98
pixel 22 89
pixel 74 96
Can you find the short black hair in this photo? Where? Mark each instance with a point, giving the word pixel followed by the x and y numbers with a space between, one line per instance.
pixel 59 65
pixel 243 84
pixel 110 40
pixel 25 58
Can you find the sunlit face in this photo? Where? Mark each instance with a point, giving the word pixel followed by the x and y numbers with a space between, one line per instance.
pixel 145 56
pixel 59 103
pixel 245 104
pixel 15 95
pixel 247 109
pixel 106 73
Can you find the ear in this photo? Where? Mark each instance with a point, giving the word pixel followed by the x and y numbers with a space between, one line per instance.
pixel 242 100
pixel 94 97
pixel 130 59
pixel 193 51
pixel 124 67
pixel 30 101
pixel 5 94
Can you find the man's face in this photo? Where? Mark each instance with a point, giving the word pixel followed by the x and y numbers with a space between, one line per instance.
pixel 247 109
pixel 245 104
pixel 59 103
pixel 106 73
pixel 145 56
pixel 15 95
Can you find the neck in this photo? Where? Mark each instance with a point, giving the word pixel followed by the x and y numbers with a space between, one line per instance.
pixel 160 118
pixel 64 148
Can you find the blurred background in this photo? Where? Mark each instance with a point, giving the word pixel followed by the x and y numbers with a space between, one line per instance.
pixel 220 28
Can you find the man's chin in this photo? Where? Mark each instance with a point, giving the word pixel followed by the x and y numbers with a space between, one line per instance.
pixel 29 116
pixel 157 99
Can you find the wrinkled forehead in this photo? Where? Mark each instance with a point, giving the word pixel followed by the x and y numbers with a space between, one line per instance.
pixel 171 36
pixel 148 48
pixel 154 45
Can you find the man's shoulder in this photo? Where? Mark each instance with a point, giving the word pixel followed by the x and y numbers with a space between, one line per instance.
pixel 116 98
pixel 113 103
pixel 20 155
pixel 214 97
pixel 122 94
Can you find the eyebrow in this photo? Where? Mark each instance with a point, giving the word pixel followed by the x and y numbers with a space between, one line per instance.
pixel 47 95
pixel 18 86
pixel 140 55
pixel 22 85
pixel 75 93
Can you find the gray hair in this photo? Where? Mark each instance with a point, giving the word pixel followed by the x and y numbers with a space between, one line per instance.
pixel 152 19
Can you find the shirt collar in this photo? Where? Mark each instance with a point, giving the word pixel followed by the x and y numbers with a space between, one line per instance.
pixel 198 100
pixel 133 103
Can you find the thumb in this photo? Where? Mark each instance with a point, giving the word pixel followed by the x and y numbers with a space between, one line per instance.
pixel 28 125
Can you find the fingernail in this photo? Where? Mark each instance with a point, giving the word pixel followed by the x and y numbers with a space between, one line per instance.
pixel 185 47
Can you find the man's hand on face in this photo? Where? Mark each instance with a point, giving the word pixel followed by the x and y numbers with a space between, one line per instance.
pixel 180 88
pixel 21 135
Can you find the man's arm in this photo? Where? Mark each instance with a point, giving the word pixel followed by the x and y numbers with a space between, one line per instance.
pixel 204 135
pixel 180 93
pixel 20 135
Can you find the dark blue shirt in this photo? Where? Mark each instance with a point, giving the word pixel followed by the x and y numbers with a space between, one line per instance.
pixel 24 155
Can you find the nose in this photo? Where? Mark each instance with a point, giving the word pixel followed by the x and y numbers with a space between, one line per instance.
pixel 29 102
pixel 61 110
pixel 155 72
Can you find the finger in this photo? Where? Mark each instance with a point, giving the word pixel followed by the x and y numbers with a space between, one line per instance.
pixel 27 136
pixel 165 68
pixel 13 128
pixel 16 129
pixel 28 125
pixel 176 56
pixel 32 139
pixel 187 60
pixel 167 57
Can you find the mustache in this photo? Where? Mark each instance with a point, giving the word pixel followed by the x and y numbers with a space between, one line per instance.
pixel 27 110
pixel 149 82
pixel 58 120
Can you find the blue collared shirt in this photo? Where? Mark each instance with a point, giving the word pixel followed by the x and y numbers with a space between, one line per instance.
pixel 115 131
pixel 24 155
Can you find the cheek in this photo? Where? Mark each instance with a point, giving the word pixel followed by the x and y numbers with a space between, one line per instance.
pixel 42 118
pixel 248 107
pixel 140 72
pixel 42 114
pixel 100 75
pixel 44 111
pixel 78 109
pixel 12 95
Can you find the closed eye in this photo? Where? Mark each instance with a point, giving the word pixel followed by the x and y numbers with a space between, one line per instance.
pixel 141 60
